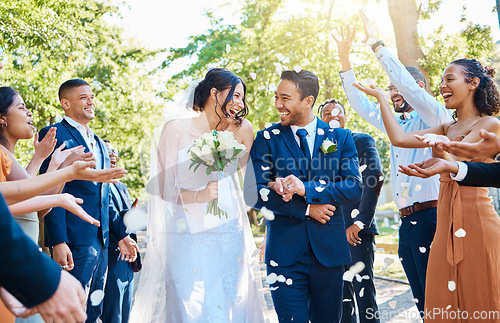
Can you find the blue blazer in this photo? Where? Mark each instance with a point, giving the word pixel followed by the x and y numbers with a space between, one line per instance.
pixel 482 174
pixel 122 203
pixel 373 179
pixel 63 226
pixel 28 274
pixel 289 234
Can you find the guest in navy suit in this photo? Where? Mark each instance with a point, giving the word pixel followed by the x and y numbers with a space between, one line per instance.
pixel 304 186
pixel 120 281
pixel 360 224
pixel 75 244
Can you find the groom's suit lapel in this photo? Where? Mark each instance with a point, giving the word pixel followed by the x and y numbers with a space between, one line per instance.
pixel 291 143
pixel 75 134
pixel 319 138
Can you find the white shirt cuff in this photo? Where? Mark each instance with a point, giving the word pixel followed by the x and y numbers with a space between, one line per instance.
pixel 462 172
pixel 307 210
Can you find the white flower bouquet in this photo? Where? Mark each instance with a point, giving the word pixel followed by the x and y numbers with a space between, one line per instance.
pixel 215 150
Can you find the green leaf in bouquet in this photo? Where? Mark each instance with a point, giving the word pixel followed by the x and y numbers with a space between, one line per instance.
pixel 219 163
pixel 237 151
pixel 192 164
pixel 196 168
pixel 209 170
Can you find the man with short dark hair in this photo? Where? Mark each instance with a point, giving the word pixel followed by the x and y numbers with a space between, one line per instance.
pixel 302 170
pixel 77 246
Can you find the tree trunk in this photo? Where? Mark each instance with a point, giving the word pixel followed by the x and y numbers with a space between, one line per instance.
pixel 404 16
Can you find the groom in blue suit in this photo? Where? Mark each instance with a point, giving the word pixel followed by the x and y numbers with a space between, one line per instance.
pixel 77 246
pixel 303 182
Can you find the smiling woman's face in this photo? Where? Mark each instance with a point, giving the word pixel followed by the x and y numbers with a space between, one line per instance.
pixel 18 120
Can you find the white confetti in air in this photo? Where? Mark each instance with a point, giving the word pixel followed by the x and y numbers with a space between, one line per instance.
pixel 289 281
pixel 362 168
pixel 335 112
pixel 366 277
pixel 281 279
pixel 451 285
pixel 362 292
pixel 273 263
pixel 353 270
pixel 393 304
pixel 264 168
pixel 261 88
pixel 358 278
pixel 346 300
pixel 334 124
pixel 401 202
pixel 253 75
pixel 96 297
pixel 267 135
pixel 135 219
pixel 404 193
pixel 395 227
pixel 271 278
pixel 228 48
pixel 267 214
pixel 415 300
pixel 378 117
pixel 289 34
pixel 279 69
pixel 448 307
pixel 319 189
pixel 388 261
pixel 331 130
pixel 405 185
pixel 276 131
pixel 400 259
pixel 460 233
pixel 413 222
pixel 264 191
pixel 377 106
pixel 297 68
pixel 321 132
pixel 280 56
pixel 354 213
pixel 418 187
pixel 372 114
pixel 264 198
pixel 422 249
pixel 381 178
pixel 322 182
pixel 269 124
pixel 273 288
pixel 359 224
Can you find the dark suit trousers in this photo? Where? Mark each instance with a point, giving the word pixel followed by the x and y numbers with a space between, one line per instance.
pixel 315 293
pixel 367 304
pixel 416 232
pixel 119 287
pixel 91 264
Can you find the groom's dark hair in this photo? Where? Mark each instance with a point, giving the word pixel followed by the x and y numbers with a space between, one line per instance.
pixel 307 83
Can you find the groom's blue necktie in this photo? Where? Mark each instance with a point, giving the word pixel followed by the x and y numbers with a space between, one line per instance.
pixel 302 134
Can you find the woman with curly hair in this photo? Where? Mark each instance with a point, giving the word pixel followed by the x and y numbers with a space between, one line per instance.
pixel 463 276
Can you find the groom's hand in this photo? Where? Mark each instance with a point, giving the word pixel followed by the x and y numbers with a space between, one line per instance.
pixel 321 212
pixel 293 185
pixel 278 186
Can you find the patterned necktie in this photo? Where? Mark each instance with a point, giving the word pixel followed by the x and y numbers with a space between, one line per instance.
pixel 302 134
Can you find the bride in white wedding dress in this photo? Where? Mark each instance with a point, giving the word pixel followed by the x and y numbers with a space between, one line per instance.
pixel 200 267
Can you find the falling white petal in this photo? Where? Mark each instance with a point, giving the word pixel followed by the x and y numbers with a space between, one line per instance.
pixel 346 300
pixel 460 233
pixel 418 188
pixel 448 307
pixel 322 182
pixel 377 106
pixel 451 285
pixel 362 168
pixel 404 193
pixel 264 191
pixel 362 292
pixel 405 185
pixel 297 69
pixel 276 131
pixel 401 202
pixel 261 88
pixel 414 300
pixel 395 227
pixel 354 213
pixel 289 34
pixel 331 130
pixel 372 114
pixel 381 178
pixel 267 135
pixel 267 214
pixel 228 48
pixel 289 281
pixel 271 278
pixel 413 222
pixel 335 112
pixel 268 124
pixel 253 75
pixel 96 297
pixel 281 279
pixel 393 304
pixel 334 124
pixel 273 288
pixel 264 168
pixel 319 189
pixel 273 263
pixel 321 132
pixel 422 249
pixel 135 219
pixel 358 278
pixel 264 198
pixel 348 276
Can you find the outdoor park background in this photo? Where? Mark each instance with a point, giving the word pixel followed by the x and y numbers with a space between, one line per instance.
pixel 138 53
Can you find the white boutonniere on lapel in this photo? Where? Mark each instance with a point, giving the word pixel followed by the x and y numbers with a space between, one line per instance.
pixel 328 146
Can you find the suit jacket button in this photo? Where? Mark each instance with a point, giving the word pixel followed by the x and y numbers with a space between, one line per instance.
pixel 308 217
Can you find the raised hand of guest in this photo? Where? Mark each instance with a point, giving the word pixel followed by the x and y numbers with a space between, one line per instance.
pixel 370 29
pixel 60 155
pixel 344 44
pixel 43 149
pixel 83 170
pixel 429 167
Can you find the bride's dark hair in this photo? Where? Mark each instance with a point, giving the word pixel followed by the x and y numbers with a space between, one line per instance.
pixel 220 79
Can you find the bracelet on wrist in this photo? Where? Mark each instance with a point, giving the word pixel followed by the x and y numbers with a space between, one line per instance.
pixel 377 44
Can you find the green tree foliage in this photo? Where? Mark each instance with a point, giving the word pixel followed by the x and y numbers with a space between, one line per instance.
pixel 46 42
